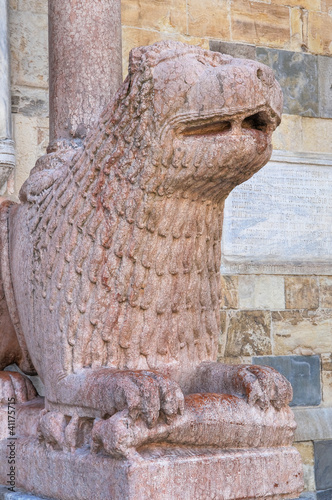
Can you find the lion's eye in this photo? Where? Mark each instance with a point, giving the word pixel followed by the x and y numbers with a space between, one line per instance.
pixel 259 121
pixel 207 128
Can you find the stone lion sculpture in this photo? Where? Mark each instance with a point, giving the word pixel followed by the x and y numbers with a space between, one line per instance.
pixel 110 263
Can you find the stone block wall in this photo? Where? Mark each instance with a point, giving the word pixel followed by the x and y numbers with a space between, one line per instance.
pixel 286 322
pixel 281 320
pixel 29 76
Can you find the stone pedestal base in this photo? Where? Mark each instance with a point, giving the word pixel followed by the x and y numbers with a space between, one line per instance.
pixel 157 472
pixel 163 473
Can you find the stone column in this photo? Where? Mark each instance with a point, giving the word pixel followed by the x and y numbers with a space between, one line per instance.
pixel 85 63
pixel 7 152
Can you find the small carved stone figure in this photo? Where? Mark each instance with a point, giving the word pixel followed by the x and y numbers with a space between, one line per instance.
pixel 110 263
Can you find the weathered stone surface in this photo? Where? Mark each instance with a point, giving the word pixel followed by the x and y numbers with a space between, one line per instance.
pixel 31 135
pixel 306 450
pixel 29 71
pixel 325 291
pixel 242 50
pixel 287 137
pixel 29 36
pixel 229 292
pixel 324 495
pixel 327 388
pixel 302 332
pixel 27 416
pixel 323 464
pixel 313 423
pixel 326 6
pixel 259 23
pixel 37 6
pixel 160 96
pixel 13 4
pixel 136 37
pixel 304 78
pixel 298 24
pixel 305 4
pixel 249 333
pixel 161 15
pixel 302 292
pixel 30 101
pixel 277 222
pixel 297 74
pixel 307 496
pixel 303 372
pixel 161 474
pixel 261 292
pixel 145 477
pixel 7 162
pixel 201 21
pixel 324 86
pixel 316 135
pixel 320 29
pixel 223 334
pixel 326 361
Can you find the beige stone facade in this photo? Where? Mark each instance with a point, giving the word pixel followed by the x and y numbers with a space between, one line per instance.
pixel 261 315
pixel 302 26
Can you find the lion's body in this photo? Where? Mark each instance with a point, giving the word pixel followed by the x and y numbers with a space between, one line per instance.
pixel 117 260
pixel 121 277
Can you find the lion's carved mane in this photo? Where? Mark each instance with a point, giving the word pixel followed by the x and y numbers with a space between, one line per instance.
pixel 119 251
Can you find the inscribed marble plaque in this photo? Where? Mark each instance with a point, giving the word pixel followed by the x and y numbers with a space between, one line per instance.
pixel 280 221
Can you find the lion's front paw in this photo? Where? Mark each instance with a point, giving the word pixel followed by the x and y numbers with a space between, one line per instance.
pixel 115 436
pixel 264 386
pixel 15 387
pixel 145 394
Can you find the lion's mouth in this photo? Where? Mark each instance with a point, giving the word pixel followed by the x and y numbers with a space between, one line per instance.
pixel 207 128
pixel 258 121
